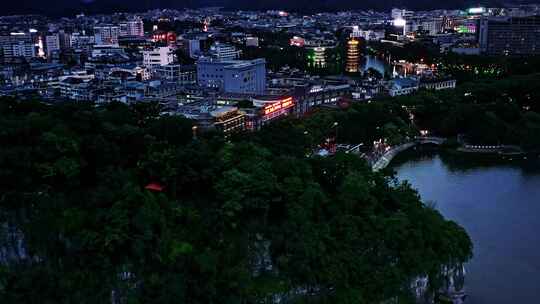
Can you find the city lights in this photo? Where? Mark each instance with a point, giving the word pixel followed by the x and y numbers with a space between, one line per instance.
pixel 319 57
pixel 297 41
pixel 279 105
pixel 476 10
pixel 400 22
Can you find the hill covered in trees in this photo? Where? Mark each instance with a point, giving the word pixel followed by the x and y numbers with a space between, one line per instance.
pixel 235 222
pixel 488 111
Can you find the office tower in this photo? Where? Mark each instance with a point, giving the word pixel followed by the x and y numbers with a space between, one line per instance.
pixel 510 35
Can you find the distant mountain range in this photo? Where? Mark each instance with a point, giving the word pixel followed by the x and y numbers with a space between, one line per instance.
pixel 70 7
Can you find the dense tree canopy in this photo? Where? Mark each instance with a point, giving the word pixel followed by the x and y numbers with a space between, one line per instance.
pixel 236 222
pixel 502 111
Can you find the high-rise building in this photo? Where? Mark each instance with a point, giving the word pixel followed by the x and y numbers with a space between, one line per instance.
pixel 401 17
pixel 510 35
pixel 65 39
pixel 52 44
pixel 133 27
pixel 398 13
pixel 18 45
pixel 80 41
pixel 353 56
pixel 233 76
pixel 158 57
pixel 106 35
pixel 193 47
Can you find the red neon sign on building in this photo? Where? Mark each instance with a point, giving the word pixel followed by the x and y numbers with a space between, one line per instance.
pixel 169 37
pixel 280 105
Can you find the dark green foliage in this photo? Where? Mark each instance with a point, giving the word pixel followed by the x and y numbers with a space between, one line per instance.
pixel 474 67
pixel 73 177
pixel 487 112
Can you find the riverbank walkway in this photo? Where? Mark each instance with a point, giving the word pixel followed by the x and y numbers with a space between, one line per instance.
pixel 501 149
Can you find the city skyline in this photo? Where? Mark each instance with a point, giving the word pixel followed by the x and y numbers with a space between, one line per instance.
pixel 68 7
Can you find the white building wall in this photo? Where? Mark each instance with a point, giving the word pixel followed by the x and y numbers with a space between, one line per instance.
pixel 158 57
pixel 236 76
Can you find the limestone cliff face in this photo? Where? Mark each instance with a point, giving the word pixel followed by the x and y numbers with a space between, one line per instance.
pixel 12 245
pixel 452 289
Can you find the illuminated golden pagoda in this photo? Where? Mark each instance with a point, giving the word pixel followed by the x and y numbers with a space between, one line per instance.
pixel 353 56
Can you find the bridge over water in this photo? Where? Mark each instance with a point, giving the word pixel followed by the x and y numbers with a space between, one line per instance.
pixel 385 159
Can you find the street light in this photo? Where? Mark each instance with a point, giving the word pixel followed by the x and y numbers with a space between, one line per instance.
pixel 336 124
pixel 194 130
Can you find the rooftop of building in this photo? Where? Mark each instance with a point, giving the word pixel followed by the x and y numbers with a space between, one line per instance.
pixel 232 63
pixel 224 110
pixel 404 82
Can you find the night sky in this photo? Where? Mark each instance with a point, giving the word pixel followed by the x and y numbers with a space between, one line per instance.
pixel 69 7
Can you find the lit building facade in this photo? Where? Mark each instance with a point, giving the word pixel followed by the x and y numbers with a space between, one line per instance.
pixel 368 35
pixel 18 45
pixel 353 56
pixel 223 51
pixel 309 96
pixel 317 57
pixel 233 76
pixel 132 28
pixel 193 47
pixel 158 57
pixel 297 41
pixel 77 87
pixel 106 35
pixel 268 108
pixel 229 120
pixel 403 86
pixel 252 41
pixel 398 13
pixel 510 36
pixel 80 41
pixel 52 44
pixel 165 37
pixel 437 84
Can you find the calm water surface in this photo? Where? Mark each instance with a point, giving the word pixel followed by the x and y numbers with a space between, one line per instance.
pixel 499 205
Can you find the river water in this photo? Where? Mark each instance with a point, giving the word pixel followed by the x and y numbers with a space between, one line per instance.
pixel 498 203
